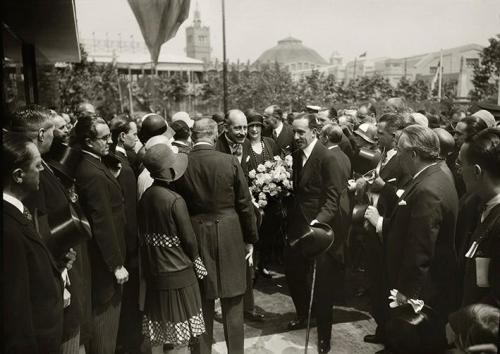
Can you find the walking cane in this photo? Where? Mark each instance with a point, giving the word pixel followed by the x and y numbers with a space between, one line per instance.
pixel 310 307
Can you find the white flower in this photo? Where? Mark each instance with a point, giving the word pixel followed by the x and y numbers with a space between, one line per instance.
pixel 262 203
pixel 277 158
pixel 265 189
pixel 262 196
pixel 272 186
pixel 261 168
pixel 289 160
pixel 268 164
pixel 267 178
pixel 273 193
pixel 259 182
pixel 252 174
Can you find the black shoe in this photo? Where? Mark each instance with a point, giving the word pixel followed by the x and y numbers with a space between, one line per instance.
pixel 265 273
pixel 254 316
pixel 298 323
pixel 372 338
pixel 324 346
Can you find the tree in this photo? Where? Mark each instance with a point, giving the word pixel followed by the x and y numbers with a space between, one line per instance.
pixel 487 69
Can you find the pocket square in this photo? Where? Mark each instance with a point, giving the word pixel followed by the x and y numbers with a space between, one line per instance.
pixel 248 158
pixel 402 202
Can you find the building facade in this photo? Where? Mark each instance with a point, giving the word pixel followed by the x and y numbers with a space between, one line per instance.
pixel 198 40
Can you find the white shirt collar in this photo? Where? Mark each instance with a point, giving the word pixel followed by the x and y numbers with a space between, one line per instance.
pixel 308 150
pixel 122 150
pixel 279 128
pixel 333 146
pixel 92 154
pixel 423 169
pixel 14 201
pixel 493 202
pixel 390 154
pixel 202 143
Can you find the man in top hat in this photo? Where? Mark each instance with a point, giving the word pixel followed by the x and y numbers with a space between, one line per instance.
pixel 479 162
pixel 419 235
pixel 216 193
pixel 37 123
pixel 320 195
pixel 281 133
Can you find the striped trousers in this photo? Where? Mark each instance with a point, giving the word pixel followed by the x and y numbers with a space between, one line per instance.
pixel 105 330
pixel 72 345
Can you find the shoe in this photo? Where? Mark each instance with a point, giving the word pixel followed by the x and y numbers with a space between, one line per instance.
pixel 324 346
pixel 372 338
pixel 298 323
pixel 254 316
pixel 265 273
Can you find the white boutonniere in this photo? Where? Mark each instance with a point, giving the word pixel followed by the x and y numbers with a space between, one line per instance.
pixel 402 202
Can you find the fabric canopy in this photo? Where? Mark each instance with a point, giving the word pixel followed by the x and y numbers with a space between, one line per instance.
pixel 159 21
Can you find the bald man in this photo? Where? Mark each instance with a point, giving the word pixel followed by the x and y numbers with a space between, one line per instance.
pixel 234 139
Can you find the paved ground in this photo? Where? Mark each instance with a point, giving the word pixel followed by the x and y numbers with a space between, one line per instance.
pixel 351 323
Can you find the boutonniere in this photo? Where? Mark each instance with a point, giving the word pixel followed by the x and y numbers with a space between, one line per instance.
pixel 402 202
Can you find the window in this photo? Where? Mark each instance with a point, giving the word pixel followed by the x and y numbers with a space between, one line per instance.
pixel 471 61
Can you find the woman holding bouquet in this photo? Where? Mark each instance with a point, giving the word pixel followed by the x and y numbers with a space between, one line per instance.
pixel 264 149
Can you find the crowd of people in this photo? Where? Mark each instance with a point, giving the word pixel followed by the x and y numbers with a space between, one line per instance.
pixel 122 235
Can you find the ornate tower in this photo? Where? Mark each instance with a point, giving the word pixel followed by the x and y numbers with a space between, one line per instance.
pixel 198 39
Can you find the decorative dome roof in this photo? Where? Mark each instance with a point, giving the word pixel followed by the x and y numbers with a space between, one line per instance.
pixel 291 50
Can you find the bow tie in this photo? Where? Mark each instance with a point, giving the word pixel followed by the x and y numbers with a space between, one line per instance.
pixel 237 149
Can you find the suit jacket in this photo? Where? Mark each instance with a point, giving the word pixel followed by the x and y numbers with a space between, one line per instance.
pixel 32 289
pixel 487 234
pixel 285 139
pixel 128 183
pixel 419 241
pixel 102 201
pixel 388 198
pixel 216 193
pixel 222 145
pixel 320 192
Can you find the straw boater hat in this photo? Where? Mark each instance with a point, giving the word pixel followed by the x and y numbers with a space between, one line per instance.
pixel 163 164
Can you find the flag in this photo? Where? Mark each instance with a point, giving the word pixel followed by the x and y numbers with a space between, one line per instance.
pixel 436 76
pixel 159 21
pixel 363 55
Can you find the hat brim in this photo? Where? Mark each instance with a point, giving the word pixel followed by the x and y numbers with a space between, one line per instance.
pixel 364 137
pixel 175 171
pixel 255 123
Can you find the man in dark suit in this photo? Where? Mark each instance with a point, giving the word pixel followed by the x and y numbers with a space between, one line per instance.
pixel 234 141
pixel 124 135
pixel 40 124
pixel 419 235
pixel 320 195
pixel 32 301
pixel 102 200
pixel 281 133
pixel 479 164
pixel 218 199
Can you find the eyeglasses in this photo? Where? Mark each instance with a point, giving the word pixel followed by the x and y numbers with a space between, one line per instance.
pixel 105 137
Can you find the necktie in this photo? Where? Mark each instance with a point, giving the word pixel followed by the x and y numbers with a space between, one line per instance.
pixel 237 149
pixel 304 158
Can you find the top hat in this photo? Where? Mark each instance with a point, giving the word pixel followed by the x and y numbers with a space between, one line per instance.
pixel 68 228
pixel 64 159
pixel 410 332
pixel 316 239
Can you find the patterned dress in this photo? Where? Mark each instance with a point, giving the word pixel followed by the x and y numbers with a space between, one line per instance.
pixel 171 267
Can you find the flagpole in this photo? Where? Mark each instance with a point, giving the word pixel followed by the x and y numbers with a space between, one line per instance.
pixel 440 68
pixel 224 61
pixel 355 65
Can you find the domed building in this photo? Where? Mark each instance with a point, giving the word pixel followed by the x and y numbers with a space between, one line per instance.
pixel 291 53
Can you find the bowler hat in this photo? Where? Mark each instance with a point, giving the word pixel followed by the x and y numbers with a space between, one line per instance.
pixel 64 159
pixel 164 164
pixel 152 125
pixel 316 239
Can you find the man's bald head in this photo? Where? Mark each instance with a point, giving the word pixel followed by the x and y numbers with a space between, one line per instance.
pixel 236 126
pixel 331 133
pixel 446 142
pixel 205 129
pixel 86 108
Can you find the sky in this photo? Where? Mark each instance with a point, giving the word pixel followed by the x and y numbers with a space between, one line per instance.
pixel 382 28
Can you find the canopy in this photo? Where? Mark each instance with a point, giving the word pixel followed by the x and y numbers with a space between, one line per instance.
pixel 159 21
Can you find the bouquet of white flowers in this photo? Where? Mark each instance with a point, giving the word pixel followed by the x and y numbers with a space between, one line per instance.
pixel 271 180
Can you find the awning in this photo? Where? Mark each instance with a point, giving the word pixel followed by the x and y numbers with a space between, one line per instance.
pixel 49 25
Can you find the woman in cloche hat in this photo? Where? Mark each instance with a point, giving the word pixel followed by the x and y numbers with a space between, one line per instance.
pixel 169 254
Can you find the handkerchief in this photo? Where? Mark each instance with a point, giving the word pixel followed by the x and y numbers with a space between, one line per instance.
pixel 402 202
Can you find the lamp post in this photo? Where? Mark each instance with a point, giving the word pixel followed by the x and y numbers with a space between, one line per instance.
pixel 224 61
